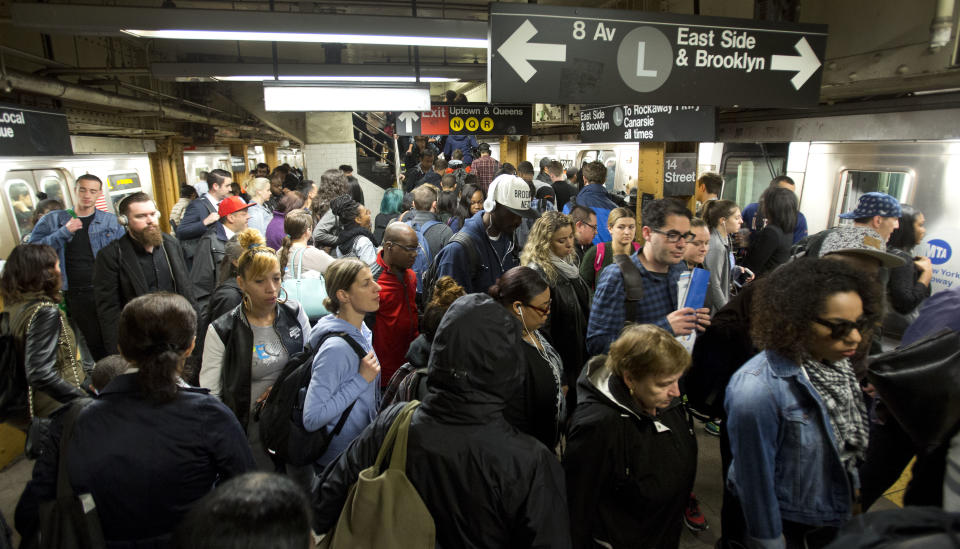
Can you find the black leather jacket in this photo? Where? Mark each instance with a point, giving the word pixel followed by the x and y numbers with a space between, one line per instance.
pixel 47 358
pixel 206 263
pixel 229 349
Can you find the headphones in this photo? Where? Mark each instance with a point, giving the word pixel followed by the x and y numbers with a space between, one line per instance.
pixel 122 219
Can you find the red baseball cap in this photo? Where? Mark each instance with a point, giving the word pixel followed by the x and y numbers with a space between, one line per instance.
pixel 231 204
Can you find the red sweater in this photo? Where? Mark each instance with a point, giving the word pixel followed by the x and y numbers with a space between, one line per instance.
pixel 396 324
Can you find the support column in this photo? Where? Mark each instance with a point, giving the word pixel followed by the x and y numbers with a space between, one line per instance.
pixel 270 156
pixel 239 149
pixel 164 170
pixel 329 143
pixel 649 175
pixel 513 152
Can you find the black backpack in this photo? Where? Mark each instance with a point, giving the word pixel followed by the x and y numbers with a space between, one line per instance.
pixel 430 276
pixel 13 378
pixel 281 420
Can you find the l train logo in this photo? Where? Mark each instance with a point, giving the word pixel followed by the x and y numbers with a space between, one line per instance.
pixel 938 251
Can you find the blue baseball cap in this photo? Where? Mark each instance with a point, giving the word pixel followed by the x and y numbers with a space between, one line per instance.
pixel 872 204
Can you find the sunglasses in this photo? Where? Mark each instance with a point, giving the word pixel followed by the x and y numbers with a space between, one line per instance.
pixel 409 249
pixel 840 329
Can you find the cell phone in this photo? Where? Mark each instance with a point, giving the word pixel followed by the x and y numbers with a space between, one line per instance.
pixel 743 277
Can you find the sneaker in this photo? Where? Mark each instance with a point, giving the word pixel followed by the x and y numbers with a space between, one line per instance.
pixel 712 428
pixel 692 517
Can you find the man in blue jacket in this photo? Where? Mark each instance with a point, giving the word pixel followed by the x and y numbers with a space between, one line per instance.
pixel 594 196
pixel 490 233
pixel 202 212
pixel 78 235
pixel 466 144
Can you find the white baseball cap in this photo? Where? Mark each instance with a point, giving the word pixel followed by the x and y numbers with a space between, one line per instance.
pixel 512 193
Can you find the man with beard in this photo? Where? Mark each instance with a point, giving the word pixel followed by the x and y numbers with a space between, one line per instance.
pixel 206 262
pixel 144 260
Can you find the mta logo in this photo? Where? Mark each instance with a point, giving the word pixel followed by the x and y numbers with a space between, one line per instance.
pixel 939 251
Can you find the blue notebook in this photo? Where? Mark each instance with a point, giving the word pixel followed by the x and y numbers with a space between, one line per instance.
pixel 697 292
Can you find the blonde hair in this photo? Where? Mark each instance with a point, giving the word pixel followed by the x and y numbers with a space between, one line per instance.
pixel 617 214
pixel 258 184
pixel 340 275
pixel 257 260
pixel 537 249
pixel 646 350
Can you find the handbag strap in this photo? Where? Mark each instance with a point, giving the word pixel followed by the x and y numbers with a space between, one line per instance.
pixel 401 421
pixel 298 263
pixel 62 339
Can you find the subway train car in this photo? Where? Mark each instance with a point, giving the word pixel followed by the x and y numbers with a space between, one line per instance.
pixel 22 178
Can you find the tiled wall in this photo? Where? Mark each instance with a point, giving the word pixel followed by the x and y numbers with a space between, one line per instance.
pixel 320 158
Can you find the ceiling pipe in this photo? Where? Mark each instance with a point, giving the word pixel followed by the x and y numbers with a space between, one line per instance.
pixel 942 25
pixel 71 92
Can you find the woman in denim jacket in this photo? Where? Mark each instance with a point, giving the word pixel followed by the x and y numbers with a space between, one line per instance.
pixel 796 416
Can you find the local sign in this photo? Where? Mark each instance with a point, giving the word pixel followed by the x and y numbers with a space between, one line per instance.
pixel 33 132
pixel 553 54
pixel 467 119
pixel 631 123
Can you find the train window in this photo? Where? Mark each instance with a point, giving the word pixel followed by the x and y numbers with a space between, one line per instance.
pixel 54 184
pixel 746 177
pixel 609 159
pixel 22 203
pixel 857 183
pixel 124 181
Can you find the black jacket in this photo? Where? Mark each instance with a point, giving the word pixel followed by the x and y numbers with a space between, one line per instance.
pixel 486 485
pixel 191 226
pixel 228 352
pixel 629 475
pixel 534 409
pixel 566 327
pixel 118 278
pixel 144 463
pixel 206 263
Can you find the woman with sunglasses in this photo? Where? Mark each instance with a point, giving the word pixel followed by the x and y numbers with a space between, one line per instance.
pixel 796 418
pixel 539 408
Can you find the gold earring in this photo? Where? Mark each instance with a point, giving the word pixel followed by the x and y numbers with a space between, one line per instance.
pixel 283 292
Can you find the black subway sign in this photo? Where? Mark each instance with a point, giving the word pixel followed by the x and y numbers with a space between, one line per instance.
pixel 553 54
pixel 33 132
pixel 630 123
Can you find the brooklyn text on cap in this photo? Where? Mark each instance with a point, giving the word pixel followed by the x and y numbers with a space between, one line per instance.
pixel 512 193
pixel 862 241
pixel 872 204
pixel 231 204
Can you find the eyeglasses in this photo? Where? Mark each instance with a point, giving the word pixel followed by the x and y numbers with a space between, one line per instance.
pixel 674 236
pixel 594 227
pixel 544 312
pixel 409 249
pixel 840 329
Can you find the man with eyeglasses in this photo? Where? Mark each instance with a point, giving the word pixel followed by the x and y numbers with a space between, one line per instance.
pixel 394 325
pixel 143 261
pixel 584 229
pixel 666 231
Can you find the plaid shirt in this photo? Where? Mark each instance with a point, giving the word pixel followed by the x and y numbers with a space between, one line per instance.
pixel 485 168
pixel 607 312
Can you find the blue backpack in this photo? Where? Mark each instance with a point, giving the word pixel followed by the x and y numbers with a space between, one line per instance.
pixel 422 263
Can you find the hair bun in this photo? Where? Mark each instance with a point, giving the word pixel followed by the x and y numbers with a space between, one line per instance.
pixel 494 291
pixel 250 238
pixel 341 205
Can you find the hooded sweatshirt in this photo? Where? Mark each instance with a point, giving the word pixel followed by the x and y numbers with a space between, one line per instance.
pixel 495 258
pixel 336 382
pixel 485 484
pixel 629 474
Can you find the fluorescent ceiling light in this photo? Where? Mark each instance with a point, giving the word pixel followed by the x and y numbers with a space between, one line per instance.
pixel 251 78
pixel 384 40
pixel 328 97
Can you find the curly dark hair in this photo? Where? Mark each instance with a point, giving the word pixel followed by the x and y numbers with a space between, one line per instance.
pixel 787 301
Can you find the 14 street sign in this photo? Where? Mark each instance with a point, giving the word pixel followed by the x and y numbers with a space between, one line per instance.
pixel 553 54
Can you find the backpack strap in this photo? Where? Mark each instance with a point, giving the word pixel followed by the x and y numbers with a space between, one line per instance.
pixel 598 260
pixel 632 284
pixel 473 256
pixel 360 353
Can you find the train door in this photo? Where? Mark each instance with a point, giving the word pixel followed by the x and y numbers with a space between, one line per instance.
pixel 121 184
pixel 20 189
pixel 748 169
pixel 608 157
pixel 855 183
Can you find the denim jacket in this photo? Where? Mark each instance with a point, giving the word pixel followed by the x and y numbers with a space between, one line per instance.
pixel 785 460
pixel 52 231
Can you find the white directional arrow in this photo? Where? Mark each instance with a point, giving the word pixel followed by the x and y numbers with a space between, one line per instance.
pixel 517 51
pixel 805 64
pixel 408 118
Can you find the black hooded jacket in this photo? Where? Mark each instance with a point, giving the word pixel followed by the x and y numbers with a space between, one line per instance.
pixel 486 484
pixel 629 474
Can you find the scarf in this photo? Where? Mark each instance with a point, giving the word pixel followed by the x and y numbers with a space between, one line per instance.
pixel 838 389
pixel 564 267
pixel 349 234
